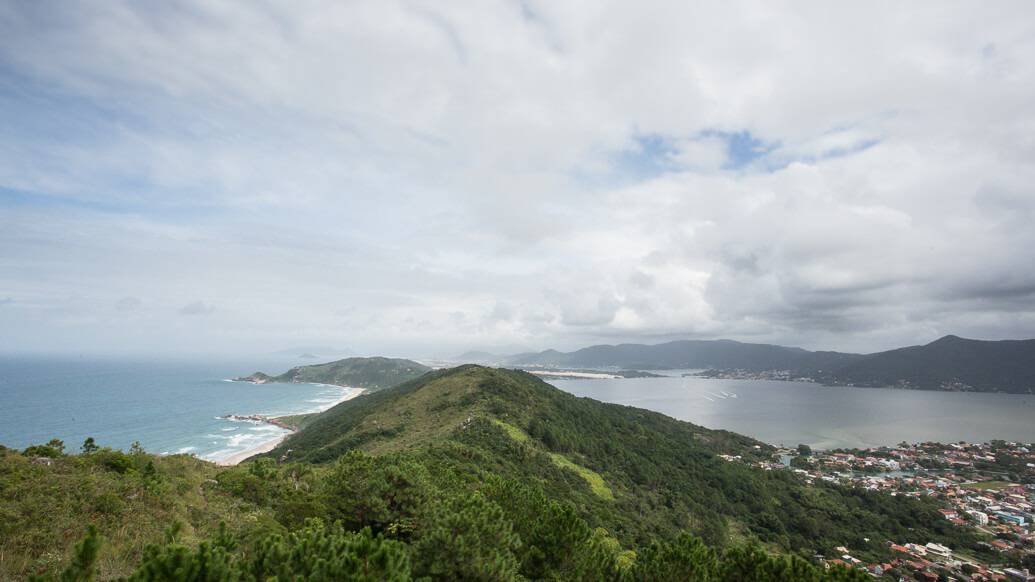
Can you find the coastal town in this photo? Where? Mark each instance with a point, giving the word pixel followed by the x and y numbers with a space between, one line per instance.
pixel 949 385
pixel 987 487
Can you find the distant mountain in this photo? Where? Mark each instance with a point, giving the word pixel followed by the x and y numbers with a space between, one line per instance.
pixel 715 354
pixel 478 357
pixel 370 373
pixel 310 352
pixel 950 363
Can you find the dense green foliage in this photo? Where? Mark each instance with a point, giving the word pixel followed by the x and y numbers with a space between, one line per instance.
pixel 47 503
pixel 463 474
pixel 322 553
pixel 389 517
pixel 370 373
pixel 665 475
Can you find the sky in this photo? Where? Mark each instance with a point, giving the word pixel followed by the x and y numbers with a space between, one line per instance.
pixel 425 178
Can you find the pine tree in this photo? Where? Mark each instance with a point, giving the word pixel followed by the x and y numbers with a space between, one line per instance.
pixel 89 446
pixel 466 539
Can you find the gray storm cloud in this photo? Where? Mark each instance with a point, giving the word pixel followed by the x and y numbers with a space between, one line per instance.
pixel 419 178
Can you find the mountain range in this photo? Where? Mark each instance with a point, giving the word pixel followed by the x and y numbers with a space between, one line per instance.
pixel 950 363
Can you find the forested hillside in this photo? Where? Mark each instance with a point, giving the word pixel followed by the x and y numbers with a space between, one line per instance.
pixel 637 473
pixel 469 473
pixel 370 373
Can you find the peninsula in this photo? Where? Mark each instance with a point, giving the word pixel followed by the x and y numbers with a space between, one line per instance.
pixel 371 374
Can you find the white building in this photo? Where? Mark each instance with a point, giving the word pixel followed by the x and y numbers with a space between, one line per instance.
pixel 979 516
pixel 938 550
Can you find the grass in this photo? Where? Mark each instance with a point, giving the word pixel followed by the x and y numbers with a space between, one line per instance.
pixel 297 421
pixel 45 509
pixel 988 485
pixel 596 483
pixel 512 431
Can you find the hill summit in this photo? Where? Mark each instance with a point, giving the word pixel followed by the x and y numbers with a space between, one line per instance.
pixel 638 474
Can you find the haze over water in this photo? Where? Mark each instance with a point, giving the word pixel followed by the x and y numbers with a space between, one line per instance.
pixel 820 416
pixel 169 406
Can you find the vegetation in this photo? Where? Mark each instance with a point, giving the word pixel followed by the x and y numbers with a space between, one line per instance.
pixel 297 421
pixel 47 503
pixel 638 474
pixel 370 373
pixel 470 473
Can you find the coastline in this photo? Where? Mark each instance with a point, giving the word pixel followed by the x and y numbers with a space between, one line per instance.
pixel 348 393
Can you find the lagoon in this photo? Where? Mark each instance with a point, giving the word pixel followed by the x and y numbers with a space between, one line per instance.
pixel 822 417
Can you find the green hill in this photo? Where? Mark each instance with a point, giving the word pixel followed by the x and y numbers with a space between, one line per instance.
pixel 636 473
pixel 370 373
pixel 470 473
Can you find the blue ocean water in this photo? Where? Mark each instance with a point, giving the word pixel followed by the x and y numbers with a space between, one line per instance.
pixel 168 406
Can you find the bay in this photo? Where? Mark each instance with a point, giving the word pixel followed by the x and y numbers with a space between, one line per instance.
pixel 822 417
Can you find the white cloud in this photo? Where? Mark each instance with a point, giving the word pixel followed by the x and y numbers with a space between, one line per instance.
pixel 196 308
pixel 361 174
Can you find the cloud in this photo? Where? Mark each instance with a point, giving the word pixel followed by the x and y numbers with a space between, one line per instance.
pixel 128 304
pixel 516 174
pixel 6 301
pixel 196 308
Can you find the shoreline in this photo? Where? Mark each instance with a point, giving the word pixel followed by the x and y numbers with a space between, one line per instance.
pixel 348 393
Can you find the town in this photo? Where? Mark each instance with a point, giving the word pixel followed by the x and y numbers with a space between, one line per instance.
pixel 989 487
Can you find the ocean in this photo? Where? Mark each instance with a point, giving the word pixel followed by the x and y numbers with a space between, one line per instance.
pixel 168 406
pixel 822 417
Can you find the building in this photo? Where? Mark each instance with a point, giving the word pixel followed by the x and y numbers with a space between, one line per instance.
pixel 1016 574
pixel 1010 518
pixel 979 516
pixel 938 550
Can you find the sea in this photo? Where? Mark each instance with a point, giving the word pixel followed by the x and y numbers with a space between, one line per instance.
pixel 173 406
pixel 822 417
pixel 168 406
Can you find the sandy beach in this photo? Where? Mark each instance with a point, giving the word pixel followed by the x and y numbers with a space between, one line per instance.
pixel 348 393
